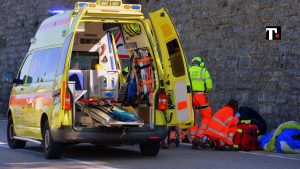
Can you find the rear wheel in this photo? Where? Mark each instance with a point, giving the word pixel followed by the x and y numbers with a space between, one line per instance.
pixel 52 149
pixel 10 133
pixel 150 148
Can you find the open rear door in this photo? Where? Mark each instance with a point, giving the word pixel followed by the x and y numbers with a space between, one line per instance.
pixel 63 70
pixel 176 79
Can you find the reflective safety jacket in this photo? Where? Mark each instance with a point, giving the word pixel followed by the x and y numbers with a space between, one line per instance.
pixel 201 81
pixel 223 125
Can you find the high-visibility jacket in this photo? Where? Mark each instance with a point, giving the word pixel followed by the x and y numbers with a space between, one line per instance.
pixel 223 125
pixel 201 81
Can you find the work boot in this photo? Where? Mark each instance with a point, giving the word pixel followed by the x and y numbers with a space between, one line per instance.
pixel 195 142
pixel 194 146
pixel 228 148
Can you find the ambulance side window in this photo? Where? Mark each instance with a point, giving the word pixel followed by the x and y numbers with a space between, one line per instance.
pixel 177 63
pixel 43 65
pixel 50 65
pixel 25 68
pixel 35 71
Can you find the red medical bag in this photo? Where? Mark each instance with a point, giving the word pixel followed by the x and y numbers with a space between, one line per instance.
pixel 246 137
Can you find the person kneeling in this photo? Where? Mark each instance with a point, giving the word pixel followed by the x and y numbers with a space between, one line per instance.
pixel 223 125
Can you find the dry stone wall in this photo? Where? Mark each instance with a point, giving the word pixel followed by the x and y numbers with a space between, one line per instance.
pixel 228 34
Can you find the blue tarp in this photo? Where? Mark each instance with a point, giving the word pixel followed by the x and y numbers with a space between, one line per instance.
pixel 285 139
pixel 285 143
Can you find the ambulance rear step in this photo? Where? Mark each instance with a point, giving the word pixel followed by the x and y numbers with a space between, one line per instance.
pixel 100 116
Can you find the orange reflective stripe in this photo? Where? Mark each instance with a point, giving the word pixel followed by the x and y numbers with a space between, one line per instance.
pixel 63 89
pixel 193 133
pixel 139 60
pixel 217 132
pixel 230 137
pixel 228 119
pixel 203 126
pixel 147 82
pixel 201 132
pixel 219 121
pixel 182 105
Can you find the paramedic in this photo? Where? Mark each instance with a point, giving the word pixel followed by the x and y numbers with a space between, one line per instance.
pixel 223 125
pixel 125 72
pixel 201 83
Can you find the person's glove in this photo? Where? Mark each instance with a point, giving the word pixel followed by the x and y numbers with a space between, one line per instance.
pixel 238 115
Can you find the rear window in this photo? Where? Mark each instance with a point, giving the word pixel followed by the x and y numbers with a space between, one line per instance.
pixel 177 63
pixel 43 65
pixel 84 60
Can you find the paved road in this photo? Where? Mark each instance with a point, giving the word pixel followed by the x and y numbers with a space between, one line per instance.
pixel 128 157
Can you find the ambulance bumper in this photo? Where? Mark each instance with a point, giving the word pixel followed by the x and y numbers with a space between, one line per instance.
pixel 109 136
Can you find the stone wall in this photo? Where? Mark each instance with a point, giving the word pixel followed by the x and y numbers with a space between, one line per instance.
pixel 18 24
pixel 229 35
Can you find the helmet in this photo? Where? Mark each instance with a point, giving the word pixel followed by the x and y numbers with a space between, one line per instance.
pixel 198 59
pixel 132 29
pixel 126 69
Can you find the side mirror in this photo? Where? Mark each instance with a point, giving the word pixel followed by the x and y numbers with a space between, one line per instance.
pixel 8 77
pixel 18 81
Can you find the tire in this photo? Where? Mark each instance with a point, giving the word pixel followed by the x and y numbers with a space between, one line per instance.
pixel 52 149
pixel 10 132
pixel 150 148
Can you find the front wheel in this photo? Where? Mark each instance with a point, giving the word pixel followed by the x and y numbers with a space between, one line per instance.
pixel 52 149
pixel 10 133
pixel 150 148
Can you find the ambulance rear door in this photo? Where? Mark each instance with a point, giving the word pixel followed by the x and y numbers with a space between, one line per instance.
pixel 176 78
pixel 63 70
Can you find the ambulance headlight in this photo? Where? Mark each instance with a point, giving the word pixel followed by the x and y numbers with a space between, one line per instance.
pixel 104 3
pixel 115 3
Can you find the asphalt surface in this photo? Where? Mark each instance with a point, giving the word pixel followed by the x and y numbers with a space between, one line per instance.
pixel 128 157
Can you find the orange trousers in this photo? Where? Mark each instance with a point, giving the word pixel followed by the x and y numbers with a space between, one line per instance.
pixel 200 104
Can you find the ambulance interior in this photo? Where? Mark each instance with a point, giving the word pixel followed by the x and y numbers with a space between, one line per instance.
pixel 96 81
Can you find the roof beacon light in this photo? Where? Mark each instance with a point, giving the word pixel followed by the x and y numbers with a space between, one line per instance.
pixel 135 7
pixel 115 3
pixel 104 3
pixel 81 4
pixel 57 10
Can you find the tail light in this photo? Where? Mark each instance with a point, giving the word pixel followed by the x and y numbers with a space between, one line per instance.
pixel 68 101
pixel 162 101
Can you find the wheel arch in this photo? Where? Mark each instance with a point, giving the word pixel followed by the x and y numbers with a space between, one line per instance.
pixel 44 118
pixel 9 113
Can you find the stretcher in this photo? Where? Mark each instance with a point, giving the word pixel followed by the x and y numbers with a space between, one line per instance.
pixel 103 114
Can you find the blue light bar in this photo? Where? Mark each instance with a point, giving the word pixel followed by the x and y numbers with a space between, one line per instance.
pixel 81 4
pixel 135 7
pixel 57 10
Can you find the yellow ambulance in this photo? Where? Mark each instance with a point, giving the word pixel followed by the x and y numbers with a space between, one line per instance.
pixel 68 88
